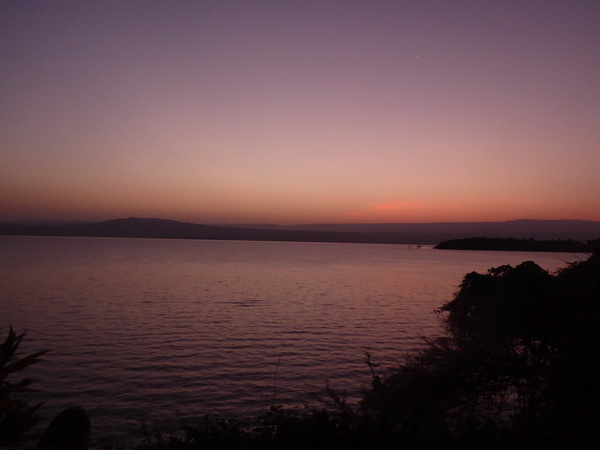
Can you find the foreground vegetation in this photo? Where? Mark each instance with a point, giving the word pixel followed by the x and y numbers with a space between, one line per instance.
pixel 517 367
pixel 17 417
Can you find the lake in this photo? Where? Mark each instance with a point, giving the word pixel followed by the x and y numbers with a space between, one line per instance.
pixel 144 328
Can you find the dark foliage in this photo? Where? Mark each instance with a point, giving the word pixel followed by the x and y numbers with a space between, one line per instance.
pixel 17 418
pixel 518 367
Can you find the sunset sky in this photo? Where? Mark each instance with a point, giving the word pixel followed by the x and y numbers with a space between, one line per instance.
pixel 300 111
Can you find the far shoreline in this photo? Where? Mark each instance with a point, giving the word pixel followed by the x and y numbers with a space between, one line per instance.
pixel 566 236
pixel 518 245
pixel 453 244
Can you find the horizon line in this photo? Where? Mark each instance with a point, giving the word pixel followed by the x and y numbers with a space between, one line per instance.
pixel 238 224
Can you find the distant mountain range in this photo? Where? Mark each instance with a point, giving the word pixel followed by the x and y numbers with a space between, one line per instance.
pixel 383 233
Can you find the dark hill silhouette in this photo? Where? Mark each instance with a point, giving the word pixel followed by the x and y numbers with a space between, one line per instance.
pixel 388 233
pixel 428 233
pixel 169 229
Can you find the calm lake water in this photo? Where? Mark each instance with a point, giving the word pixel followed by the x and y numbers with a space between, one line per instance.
pixel 141 329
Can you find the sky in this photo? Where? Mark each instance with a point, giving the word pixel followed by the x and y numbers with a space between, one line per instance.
pixel 296 112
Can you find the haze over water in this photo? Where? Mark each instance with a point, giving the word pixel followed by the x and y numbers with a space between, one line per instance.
pixel 144 328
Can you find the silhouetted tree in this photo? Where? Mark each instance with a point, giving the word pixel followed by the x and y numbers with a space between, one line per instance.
pixel 519 366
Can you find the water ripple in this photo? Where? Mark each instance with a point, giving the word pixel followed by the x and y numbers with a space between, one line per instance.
pixel 144 328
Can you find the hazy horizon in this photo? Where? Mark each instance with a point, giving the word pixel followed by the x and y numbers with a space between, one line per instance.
pixel 237 224
pixel 300 112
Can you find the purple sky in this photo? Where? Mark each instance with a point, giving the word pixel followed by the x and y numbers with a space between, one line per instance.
pixel 300 111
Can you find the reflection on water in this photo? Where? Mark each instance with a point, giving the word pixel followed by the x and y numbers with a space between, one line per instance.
pixel 144 328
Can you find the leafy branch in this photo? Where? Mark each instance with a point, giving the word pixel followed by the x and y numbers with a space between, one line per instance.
pixel 17 417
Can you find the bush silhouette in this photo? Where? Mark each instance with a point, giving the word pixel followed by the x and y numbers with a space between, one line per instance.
pixel 17 418
pixel 517 368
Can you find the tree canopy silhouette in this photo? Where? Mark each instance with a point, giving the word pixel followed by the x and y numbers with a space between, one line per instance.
pixel 518 366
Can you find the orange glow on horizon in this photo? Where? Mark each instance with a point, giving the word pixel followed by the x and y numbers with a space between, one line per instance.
pixel 256 120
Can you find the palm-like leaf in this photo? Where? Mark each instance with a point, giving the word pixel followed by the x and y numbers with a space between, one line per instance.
pixel 17 418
